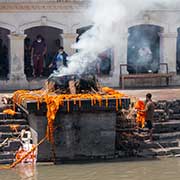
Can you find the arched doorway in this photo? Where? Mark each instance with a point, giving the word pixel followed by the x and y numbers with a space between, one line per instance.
pixel 103 65
pixel 178 52
pixel 4 57
pixel 53 40
pixel 143 49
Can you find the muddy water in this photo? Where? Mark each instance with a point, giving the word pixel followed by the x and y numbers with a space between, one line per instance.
pixel 166 169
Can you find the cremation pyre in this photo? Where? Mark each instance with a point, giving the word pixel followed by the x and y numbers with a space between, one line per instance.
pixel 81 115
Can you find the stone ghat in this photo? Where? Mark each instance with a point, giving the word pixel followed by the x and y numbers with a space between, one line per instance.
pixel 88 134
pixel 82 131
pixel 97 135
pixel 166 133
pixel 167 110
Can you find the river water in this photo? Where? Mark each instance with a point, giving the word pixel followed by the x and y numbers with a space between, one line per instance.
pixel 166 169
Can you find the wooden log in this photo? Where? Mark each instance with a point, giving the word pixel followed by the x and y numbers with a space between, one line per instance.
pixel 72 87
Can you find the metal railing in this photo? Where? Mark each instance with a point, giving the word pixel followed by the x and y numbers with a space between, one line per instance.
pixel 127 65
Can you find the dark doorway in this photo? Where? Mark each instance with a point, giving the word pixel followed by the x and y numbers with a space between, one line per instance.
pixel 53 40
pixel 4 57
pixel 143 49
pixel 103 65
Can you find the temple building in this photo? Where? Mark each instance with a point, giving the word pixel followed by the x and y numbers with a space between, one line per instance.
pixel 145 42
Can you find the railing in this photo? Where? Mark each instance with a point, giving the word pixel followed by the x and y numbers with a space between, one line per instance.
pixel 151 75
pixel 127 65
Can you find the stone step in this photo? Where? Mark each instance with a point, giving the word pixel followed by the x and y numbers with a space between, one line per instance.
pixel 159 144
pixel 13 121
pixel 166 136
pixel 175 116
pixel 167 151
pixel 6 161
pixel 170 126
pixel 4 135
pixel 12 145
pixel 3 116
pixel 8 128
pixel 7 155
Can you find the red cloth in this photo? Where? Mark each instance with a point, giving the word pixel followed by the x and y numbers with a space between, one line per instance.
pixel 140 119
pixel 38 65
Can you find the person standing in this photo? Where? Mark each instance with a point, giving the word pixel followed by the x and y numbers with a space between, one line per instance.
pixel 60 59
pixel 148 114
pixel 149 109
pixel 38 52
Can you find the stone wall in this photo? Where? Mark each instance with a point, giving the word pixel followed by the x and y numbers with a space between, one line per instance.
pixel 77 135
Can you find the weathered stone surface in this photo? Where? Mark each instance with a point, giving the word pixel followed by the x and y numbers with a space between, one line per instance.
pixel 77 135
pixel 8 149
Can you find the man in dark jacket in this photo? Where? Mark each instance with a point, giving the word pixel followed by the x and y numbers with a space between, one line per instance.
pixel 60 59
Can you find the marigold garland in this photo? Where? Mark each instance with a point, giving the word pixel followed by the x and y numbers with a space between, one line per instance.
pixel 9 112
pixel 54 102
pixel 14 127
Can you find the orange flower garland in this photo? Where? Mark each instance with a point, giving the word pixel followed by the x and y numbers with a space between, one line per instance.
pixel 9 111
pixel 14 127
pixel 54 101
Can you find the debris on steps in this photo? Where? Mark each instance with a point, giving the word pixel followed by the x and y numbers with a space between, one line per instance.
pixel 10 130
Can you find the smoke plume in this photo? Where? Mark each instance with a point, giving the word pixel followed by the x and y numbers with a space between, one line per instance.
pixel 105 15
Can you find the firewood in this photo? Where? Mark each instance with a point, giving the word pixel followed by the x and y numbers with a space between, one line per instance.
pixel 72 87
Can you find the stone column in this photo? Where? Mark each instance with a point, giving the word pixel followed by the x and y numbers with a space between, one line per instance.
pixel 168 48
pixel 16 63
pixel 120 57
pixel 68 40
pixel 123 49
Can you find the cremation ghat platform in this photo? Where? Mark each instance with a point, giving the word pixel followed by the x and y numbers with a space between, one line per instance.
pixel 82 130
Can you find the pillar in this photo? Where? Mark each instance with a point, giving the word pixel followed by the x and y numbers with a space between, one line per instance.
pixel 123 50
pixel 168 48
pixel 120 57
pixel 68 40
pixel 16 63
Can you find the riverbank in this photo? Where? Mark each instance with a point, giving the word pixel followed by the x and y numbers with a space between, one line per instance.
pixel 165 169
pixel 166 131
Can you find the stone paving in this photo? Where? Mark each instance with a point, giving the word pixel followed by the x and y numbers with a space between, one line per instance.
pixel 158 94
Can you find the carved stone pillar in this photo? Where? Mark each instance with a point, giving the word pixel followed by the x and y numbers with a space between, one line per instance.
pixel 68 40
pixel 168 47
pixel 123 52
pixel 16 63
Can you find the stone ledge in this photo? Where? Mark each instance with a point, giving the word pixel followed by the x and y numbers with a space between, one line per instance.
pixel 45 6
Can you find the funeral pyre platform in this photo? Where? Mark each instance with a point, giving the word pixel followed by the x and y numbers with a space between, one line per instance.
pixel 79 126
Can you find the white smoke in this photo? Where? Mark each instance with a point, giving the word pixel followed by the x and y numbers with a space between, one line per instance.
pixel 105 14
